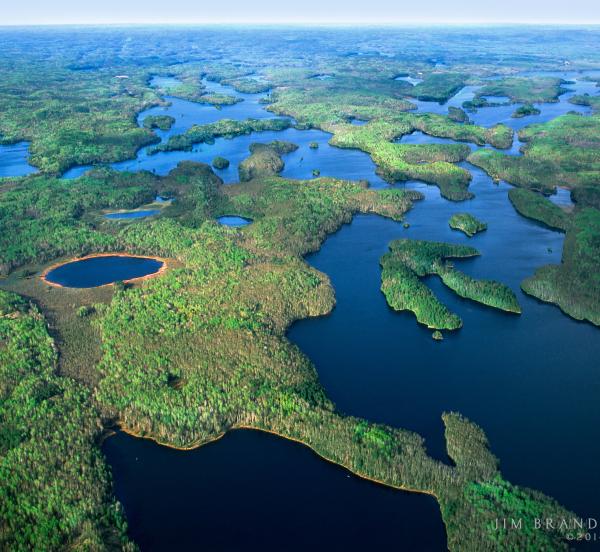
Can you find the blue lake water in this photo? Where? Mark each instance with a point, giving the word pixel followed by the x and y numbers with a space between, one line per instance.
pixel 506 372
pixel 235 222
pixel 562 197
pixel 98 271
pixel 254 492
pixel 133 214
pixel 158 81
pixel 159 199
pixel 531 381
pixel 13 160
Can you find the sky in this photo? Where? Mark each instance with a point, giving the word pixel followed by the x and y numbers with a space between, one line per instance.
pixel 329 12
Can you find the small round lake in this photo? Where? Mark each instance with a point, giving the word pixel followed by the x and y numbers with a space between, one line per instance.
pixel 234 221
pixel 102 270
pixel 132 214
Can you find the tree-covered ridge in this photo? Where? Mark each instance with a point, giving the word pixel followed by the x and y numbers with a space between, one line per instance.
pixel 526 90
pixel 467 223
pixel 410 260
pixel 535 206
pixel 438 87
pixel 226 128
pixel 574 285
pixel 162 122
pixel 265 159
pixel 55 489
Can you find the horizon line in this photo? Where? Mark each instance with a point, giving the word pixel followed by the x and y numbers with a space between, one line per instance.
pixel 305 23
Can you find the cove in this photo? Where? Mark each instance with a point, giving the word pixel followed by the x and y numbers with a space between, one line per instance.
pixel 101 270
pixel 284 496
pixel 13 160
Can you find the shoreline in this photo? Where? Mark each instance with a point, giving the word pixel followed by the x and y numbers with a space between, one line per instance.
pixel 165 264
pixel 199 444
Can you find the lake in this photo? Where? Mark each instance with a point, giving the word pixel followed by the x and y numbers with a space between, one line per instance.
pixel 253 491
pixel 506 372
pixel 13 160
pixel 102 270
pixel 234 221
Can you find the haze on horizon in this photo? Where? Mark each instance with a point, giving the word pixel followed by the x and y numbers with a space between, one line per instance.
pixel 333 12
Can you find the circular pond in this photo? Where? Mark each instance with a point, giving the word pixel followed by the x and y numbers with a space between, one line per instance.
pixel 101 270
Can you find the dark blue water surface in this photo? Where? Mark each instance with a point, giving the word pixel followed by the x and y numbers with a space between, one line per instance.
pixel 253 491
pixel 133 214
pixel 13 160
pixel 234 221
pixel 531 381
pixel 98 271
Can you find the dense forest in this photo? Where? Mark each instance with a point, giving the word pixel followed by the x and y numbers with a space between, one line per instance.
pixel 410 260
pixel 202 349
pixel 467 223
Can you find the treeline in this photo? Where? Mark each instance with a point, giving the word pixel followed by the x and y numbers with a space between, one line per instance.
pixel 226 128
pixel 438 87
pixel 55 488
pixel 537 207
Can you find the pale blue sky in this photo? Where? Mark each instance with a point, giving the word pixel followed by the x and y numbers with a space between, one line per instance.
pixel 15 12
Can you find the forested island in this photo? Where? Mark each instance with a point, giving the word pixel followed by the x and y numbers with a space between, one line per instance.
pixel 202 347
